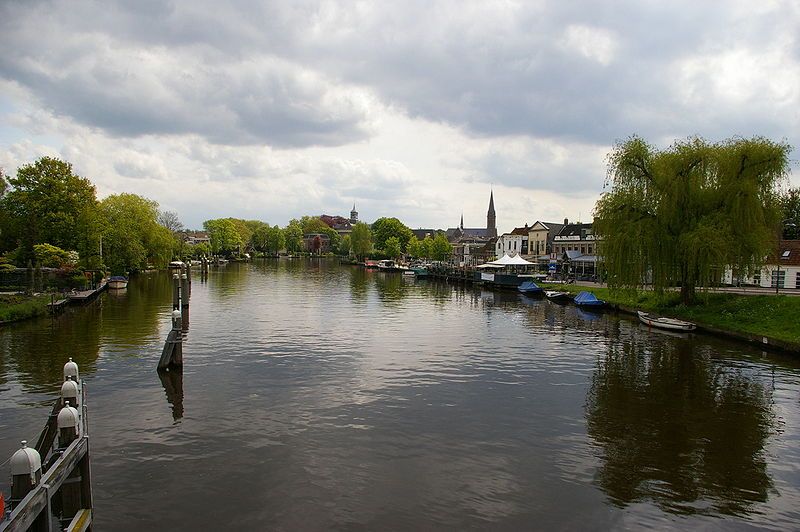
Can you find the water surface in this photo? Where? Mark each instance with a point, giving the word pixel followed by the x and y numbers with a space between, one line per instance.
pixel 316 396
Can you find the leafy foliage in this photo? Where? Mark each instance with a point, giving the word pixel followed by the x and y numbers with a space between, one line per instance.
pixel 790 204
pixel 48 203
pixel 361 240
pixel 49 256
pixel 225 238
pixel 392 247
pixel 679 216
pixel 386 228
pixel 132 237
pixel 441 248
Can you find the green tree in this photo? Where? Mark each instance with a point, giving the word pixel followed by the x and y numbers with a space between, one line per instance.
pixel 276 240
pixel 441 248
pixel 259 239
pixel 385 228
pixel 225 239
pixel 790 203
pixel 361 240
pixel 681 215
pixel 392 247
pixel 49 256
pixel 47 203
pixel 132 236
pixel 345 246
pixel 414 247
pixel 426 247
pixel 293 233
pixel 203 249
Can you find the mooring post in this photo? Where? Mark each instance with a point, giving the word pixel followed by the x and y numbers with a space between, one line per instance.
pixel 68 431
pixel 185 290
pixel 26 472
pixel 176 291
pixel 189 271
pixel 177 349
pixel 71 371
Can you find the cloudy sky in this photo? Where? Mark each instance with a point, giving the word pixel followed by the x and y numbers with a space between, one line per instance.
pixel 415 109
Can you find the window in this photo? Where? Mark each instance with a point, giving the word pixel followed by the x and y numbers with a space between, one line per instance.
pixel 589 248
pixel 757 278
pixel 797 280
pixel 785 254
pixel 778 278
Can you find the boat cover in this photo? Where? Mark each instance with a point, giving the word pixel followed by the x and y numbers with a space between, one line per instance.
pixel 587 298
pixel 529 286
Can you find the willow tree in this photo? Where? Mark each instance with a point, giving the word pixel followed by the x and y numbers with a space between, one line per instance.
pixel 678 217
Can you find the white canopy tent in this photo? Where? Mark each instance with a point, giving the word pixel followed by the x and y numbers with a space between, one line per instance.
pixel 505 261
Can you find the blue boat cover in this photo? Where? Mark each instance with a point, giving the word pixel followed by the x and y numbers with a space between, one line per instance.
pixel 588 299
pixel 117 278
pixel 529 286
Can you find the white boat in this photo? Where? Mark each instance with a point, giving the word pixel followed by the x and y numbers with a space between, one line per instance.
pixel 117 282
pixel 176 265
pixel 555 295
pixel 665 323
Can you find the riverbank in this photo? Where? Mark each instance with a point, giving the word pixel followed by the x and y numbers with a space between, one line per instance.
pixel 765 319
pixel 16 307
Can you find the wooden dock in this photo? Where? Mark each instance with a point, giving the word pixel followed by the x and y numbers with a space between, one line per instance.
pixel 80 297
pixel 54 490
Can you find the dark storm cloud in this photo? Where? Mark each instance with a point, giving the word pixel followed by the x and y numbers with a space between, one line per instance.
pixel 290 73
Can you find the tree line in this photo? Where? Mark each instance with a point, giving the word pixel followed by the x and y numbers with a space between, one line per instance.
pixel 51 217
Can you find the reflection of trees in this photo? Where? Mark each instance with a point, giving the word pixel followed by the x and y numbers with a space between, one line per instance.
pixel 679 430
pixel 391 288
pixel 358 283
pixel 38 349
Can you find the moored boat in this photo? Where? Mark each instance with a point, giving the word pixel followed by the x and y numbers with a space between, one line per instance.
pixel 558 297
pixel 588 300
pixel 530 288
pixel 665 323
pixel 118 281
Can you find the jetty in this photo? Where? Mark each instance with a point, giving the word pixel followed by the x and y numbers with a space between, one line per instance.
pixel 51 482
pixel 80 297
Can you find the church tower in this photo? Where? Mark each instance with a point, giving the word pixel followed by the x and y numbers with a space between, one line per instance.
pixel 354 215
pixel 491 219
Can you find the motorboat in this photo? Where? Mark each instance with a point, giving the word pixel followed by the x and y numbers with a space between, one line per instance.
pixel 588 300
pixel 117 282
pixel 529 288
pixel 665 323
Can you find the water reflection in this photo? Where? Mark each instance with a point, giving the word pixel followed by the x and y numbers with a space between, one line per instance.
pixel 675 427
pixel 172 381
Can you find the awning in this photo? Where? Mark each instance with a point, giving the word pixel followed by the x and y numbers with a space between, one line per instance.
pixel 516 260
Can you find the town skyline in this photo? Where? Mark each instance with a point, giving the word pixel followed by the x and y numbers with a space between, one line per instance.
pixel 273 112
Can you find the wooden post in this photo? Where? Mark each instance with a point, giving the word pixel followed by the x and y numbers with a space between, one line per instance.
pixel 172 354
pixel 26 472
pixel 68 429
pixel 176 291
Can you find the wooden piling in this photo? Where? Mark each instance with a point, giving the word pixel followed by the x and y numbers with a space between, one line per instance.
pixel 59 484
pixel 176 291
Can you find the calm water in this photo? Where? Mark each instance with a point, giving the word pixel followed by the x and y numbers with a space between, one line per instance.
pixel 318 397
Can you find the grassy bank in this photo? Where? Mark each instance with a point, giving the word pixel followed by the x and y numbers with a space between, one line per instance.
pixel 15 307
pixel 774 316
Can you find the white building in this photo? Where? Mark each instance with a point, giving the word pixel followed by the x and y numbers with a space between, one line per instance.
pixel 782 269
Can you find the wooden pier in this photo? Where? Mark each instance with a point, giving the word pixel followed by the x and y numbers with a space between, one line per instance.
pixel 80 297
pixel 52 482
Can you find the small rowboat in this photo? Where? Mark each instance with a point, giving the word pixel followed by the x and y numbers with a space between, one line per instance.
pixel 558 297
pixel 665 323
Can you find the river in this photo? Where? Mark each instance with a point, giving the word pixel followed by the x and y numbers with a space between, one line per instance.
pixel 316 396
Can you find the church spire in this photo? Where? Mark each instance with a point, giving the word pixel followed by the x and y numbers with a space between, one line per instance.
pixel 491 218
pixel 462 221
